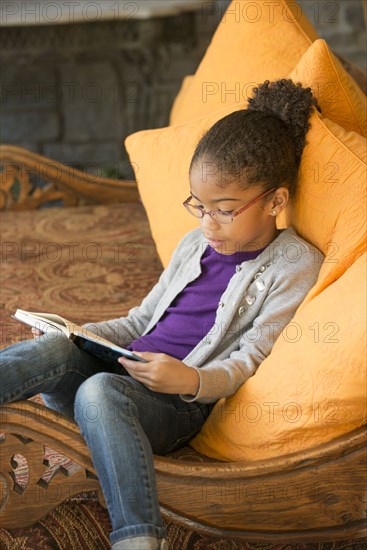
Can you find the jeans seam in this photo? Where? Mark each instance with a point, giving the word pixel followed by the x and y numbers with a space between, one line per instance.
pixel 49 378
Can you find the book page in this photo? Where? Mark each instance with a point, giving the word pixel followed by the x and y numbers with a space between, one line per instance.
pixel 45 316
pixel 46 322
pixel 43 322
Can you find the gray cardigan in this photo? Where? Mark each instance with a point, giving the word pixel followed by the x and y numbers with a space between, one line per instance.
pixel 260 300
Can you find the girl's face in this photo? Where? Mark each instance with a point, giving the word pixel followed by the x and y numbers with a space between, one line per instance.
pixel 252 229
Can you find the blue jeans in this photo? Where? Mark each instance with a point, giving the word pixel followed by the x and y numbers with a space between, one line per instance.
pixel 122 422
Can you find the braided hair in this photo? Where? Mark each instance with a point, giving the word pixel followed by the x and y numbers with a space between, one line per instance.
pixel 263 144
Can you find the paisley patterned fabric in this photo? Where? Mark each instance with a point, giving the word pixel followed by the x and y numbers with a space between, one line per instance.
pixel 87 263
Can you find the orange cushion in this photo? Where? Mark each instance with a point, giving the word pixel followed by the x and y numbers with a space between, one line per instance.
pixel 311 388
pixel 330 207
pixel 340 98
pixel 254 41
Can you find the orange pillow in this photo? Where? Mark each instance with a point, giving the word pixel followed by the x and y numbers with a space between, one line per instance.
pixel 255 41
pixel 340 98
pixel 309 390
pixel 330 207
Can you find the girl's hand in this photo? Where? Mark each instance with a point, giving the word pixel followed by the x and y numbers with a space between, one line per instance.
pixel 163 373
pixel 36 332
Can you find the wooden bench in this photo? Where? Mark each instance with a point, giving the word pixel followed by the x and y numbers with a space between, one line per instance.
pixel 314 495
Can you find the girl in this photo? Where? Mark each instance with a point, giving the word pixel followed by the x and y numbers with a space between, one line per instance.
pixel 231 287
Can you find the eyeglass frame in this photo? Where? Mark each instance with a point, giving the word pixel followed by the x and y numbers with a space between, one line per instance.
pixel 233 213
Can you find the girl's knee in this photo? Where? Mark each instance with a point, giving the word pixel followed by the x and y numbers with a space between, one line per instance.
pixel 93 388
pixel 93 398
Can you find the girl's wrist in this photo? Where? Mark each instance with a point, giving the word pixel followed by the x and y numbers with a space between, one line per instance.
pixel 192 381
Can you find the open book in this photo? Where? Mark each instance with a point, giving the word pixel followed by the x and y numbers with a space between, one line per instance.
pixel 49 323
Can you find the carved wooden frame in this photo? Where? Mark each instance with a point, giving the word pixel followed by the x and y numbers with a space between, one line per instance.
pixel 21 170
pixel 314 495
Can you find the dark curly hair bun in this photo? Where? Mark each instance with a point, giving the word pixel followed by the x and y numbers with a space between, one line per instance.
pixel 261 145
pixel 288 101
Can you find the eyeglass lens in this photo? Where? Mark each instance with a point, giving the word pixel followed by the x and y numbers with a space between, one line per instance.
pixel 217 215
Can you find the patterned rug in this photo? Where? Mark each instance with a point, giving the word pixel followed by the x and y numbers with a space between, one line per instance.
pixel 87 264
pixel 83 524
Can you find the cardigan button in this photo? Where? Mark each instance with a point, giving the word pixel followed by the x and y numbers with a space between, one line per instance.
pixel 241 310
pixel 250 299
pixel 260 285
pixel 238 268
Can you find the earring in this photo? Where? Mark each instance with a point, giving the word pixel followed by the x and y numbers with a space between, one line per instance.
pixel 274 212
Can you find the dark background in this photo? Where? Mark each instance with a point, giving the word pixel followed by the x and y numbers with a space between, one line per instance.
pixel 73 92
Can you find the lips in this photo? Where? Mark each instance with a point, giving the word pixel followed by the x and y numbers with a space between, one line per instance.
pixel 214 243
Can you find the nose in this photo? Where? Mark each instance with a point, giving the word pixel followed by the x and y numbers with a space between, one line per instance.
pixel 207 222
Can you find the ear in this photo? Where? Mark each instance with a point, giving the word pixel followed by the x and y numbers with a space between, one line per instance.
pixel 279 201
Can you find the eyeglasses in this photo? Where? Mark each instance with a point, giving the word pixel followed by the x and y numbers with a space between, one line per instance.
pixel 222 216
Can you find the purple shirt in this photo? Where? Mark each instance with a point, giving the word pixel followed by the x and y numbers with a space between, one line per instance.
pixel 192 313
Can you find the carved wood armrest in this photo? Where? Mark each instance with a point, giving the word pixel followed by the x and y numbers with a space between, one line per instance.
pixel 29 180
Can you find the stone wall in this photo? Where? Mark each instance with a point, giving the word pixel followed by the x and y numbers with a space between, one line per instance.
pixel 74 92
pixel 342 23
